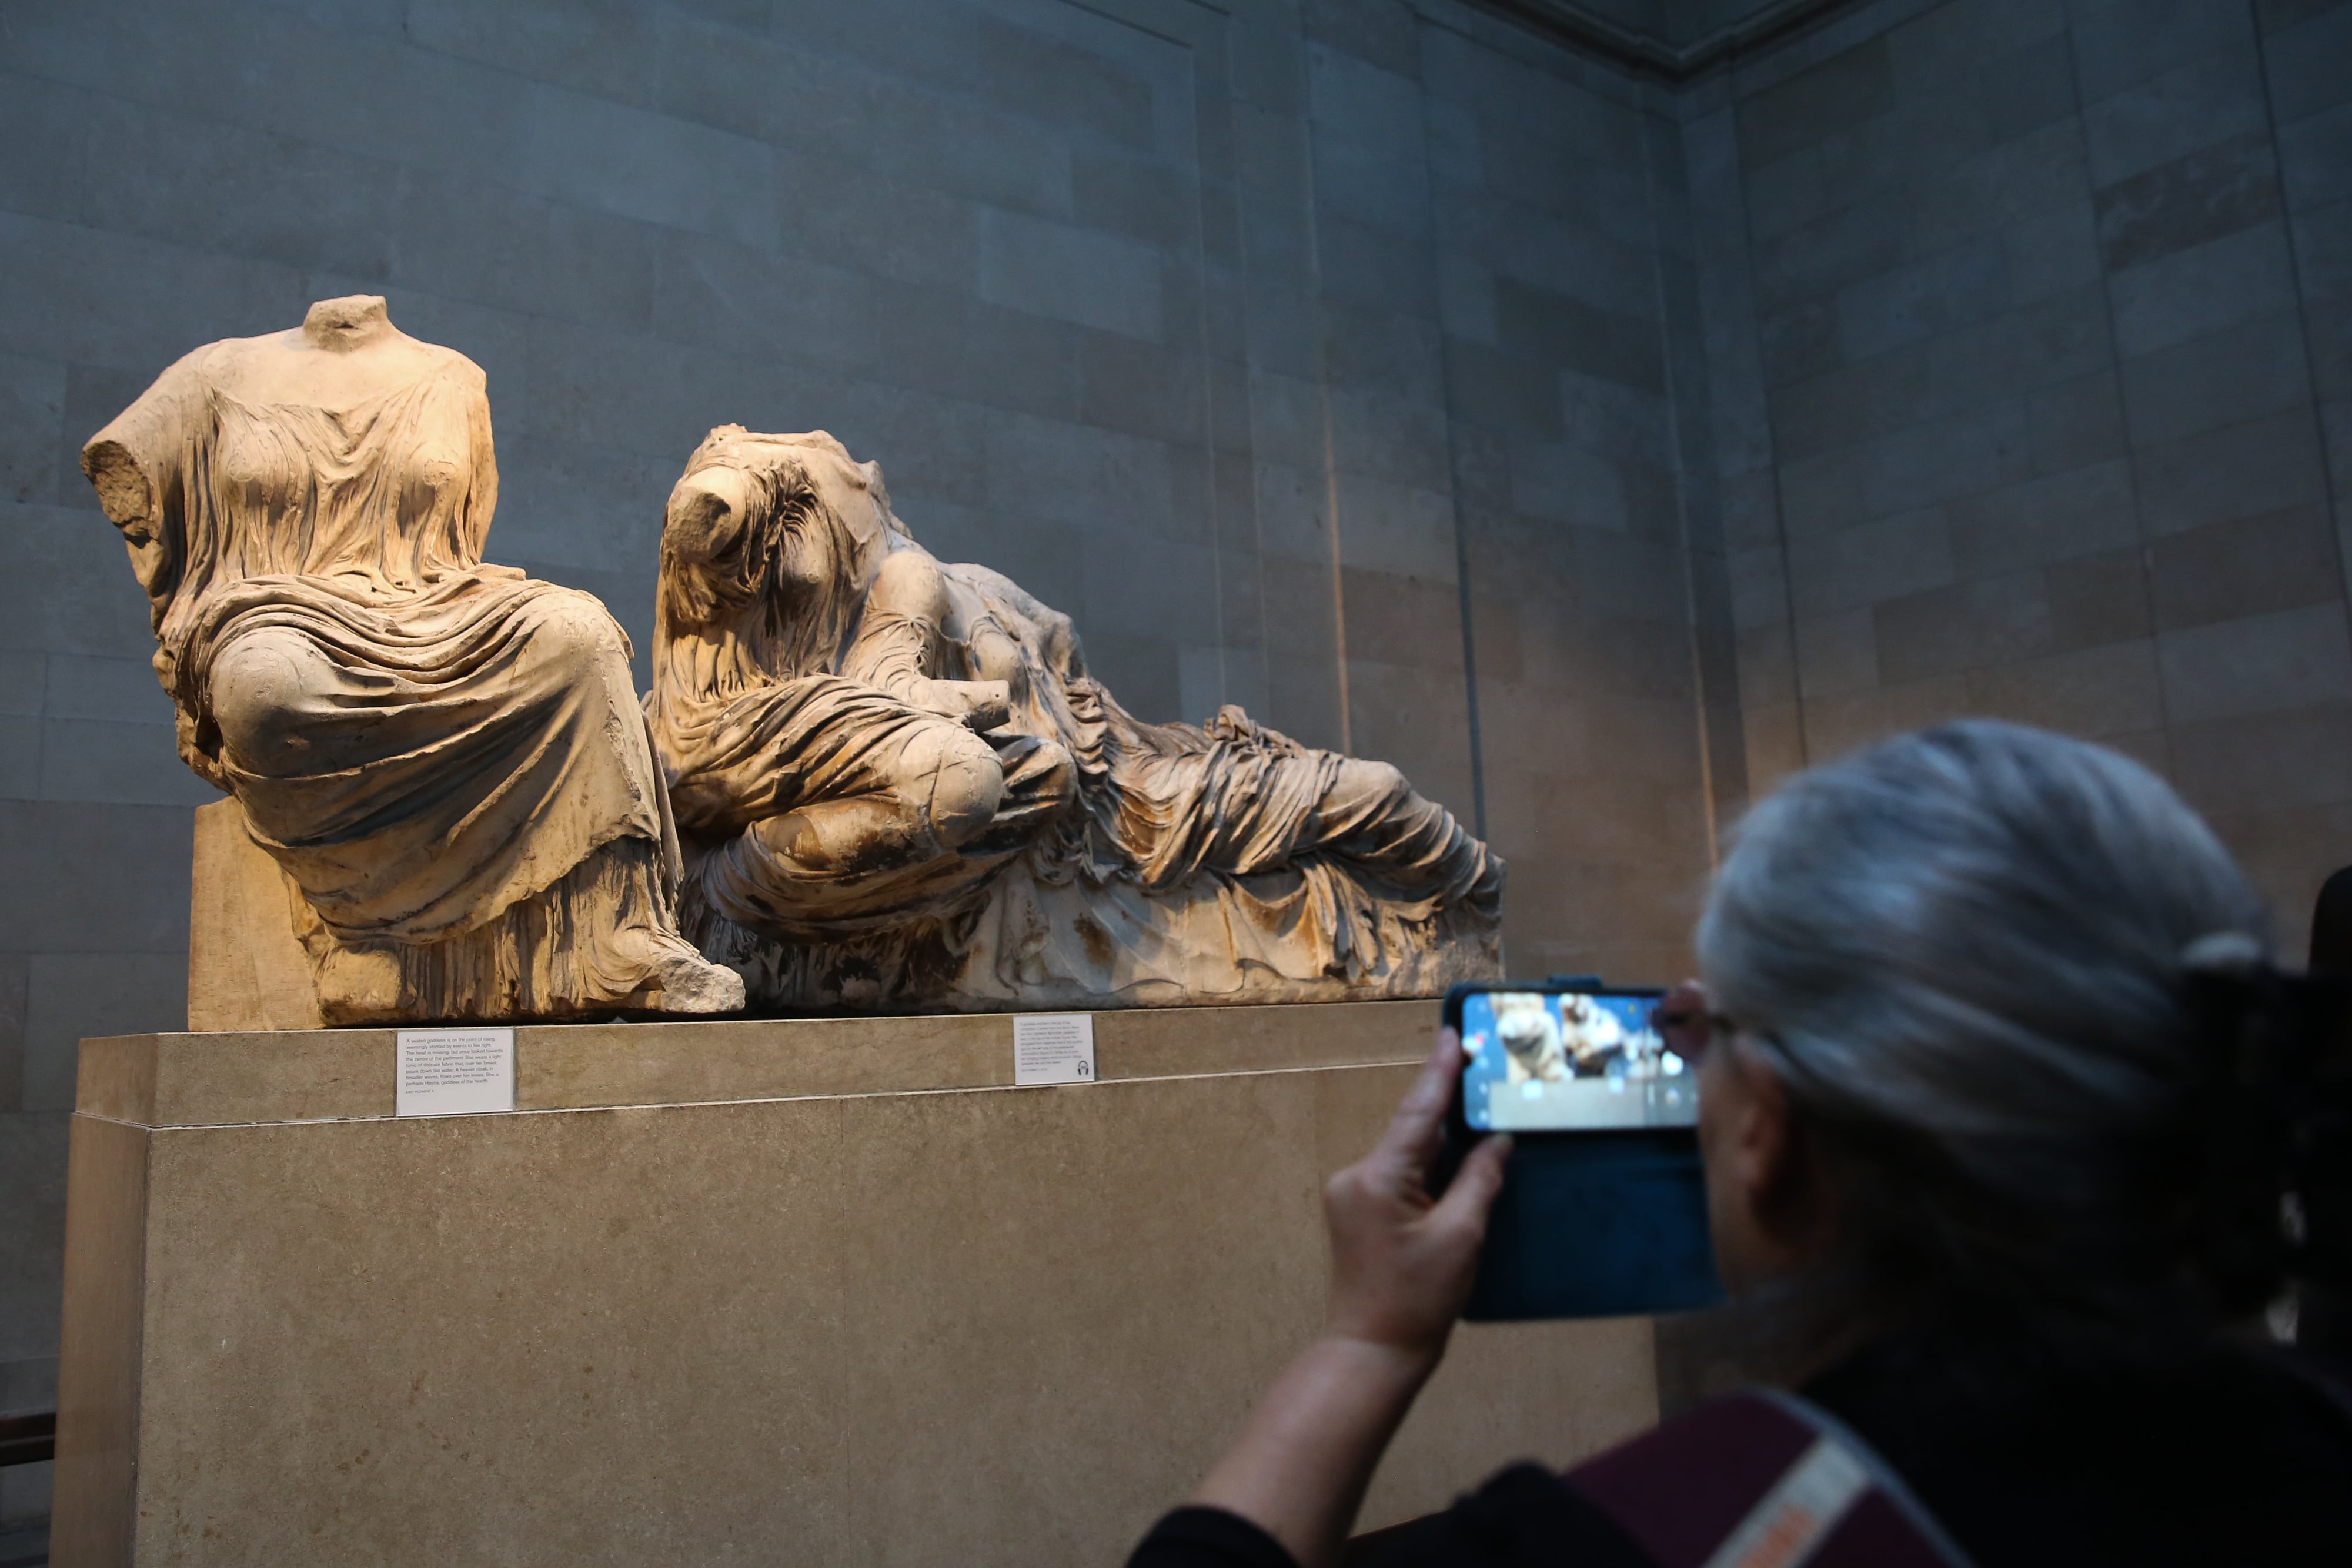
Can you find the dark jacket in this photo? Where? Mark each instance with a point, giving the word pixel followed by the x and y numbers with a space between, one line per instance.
pixel 2025 1457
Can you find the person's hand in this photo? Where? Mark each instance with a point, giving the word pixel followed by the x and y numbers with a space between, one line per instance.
pixel 1402 1262
pixel 1400 1269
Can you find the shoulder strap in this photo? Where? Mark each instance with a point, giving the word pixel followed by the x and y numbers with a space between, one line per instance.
pixel 2327 1379
pixel 1764 1480
pixel 1868 1472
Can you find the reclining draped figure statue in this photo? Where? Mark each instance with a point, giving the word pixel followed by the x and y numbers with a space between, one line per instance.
pixel 898 784
pixel 447 758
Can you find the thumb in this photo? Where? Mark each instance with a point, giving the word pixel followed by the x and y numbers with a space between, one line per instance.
pixel 1474 1188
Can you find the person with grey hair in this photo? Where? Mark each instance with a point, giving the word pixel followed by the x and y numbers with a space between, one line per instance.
pixel 2011 1129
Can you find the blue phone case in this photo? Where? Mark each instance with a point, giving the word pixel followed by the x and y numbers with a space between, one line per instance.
pixel 1589 1224
pixel 1597 1224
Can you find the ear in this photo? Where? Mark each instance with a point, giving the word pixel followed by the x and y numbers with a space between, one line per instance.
pixel 1764 1155
pixel 1762 1139
pixel 1791 1204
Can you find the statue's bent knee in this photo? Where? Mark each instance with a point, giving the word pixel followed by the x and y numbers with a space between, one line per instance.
pixel 264 686
pixel 595 633
pixel 574 637
pixel 966 783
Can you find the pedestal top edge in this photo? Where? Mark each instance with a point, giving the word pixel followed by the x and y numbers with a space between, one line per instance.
pixel 193 1080
pixel 1108 1019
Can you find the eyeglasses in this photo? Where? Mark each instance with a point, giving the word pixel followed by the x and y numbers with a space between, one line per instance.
pixel 1689 1033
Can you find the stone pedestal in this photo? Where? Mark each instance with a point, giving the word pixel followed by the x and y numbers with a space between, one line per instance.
pixel 822 1291
pixel 247 969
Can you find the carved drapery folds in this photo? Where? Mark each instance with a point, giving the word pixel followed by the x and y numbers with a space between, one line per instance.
pixel 445 757
pixel 898 784
pixel 864 777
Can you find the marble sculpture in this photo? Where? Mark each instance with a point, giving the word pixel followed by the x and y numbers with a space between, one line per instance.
pixel 863 779
pixel 447 758
pixel 898 784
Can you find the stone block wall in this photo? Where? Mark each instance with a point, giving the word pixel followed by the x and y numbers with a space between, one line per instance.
pixel 1558 266
pixel 1268 340
pixel 1598 450
pixel 2027 321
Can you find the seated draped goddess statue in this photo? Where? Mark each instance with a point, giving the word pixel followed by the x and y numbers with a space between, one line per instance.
pixel 447 758
pixel 896 785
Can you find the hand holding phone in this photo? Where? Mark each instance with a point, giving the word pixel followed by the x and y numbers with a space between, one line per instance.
pixel 1401 1256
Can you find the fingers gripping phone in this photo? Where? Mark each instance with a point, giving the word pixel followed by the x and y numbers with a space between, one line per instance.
pixel 1604 1208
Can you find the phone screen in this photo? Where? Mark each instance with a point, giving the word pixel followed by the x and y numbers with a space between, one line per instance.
pixel 1570 1060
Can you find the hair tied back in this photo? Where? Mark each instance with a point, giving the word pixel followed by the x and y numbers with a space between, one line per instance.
pixel 2230 953
pixel 2273 1095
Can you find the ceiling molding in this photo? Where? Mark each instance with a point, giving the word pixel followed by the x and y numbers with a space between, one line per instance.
pixel 1643 53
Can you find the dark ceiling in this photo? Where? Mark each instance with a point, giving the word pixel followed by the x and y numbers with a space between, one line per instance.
pixel 1673 40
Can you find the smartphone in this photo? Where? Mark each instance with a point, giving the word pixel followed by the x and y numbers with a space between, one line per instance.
pixel 1604 1208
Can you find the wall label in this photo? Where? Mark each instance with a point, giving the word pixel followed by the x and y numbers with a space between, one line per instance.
pixel 455 1072
pixel 1053 1048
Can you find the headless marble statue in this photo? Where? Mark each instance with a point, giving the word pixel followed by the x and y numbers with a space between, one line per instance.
pixel 445 758
pixel 898 784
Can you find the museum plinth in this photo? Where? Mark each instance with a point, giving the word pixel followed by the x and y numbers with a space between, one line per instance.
pixel 825 1292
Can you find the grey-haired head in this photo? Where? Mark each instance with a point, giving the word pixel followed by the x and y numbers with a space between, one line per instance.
pixel 1965 952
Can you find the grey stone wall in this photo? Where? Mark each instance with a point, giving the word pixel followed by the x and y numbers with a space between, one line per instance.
pixel 1595 451
pixel 2027 321
pixel 1265 339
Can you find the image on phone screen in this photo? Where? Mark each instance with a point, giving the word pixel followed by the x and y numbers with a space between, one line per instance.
pixel 1570 1060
